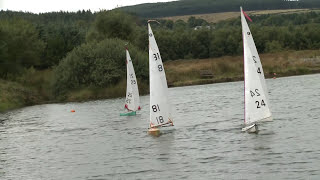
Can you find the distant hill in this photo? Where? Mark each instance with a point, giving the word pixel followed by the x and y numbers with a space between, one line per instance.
pixel 216 17
pixel 188 7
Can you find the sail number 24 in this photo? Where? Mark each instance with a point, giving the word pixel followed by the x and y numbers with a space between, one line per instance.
pixel 256 93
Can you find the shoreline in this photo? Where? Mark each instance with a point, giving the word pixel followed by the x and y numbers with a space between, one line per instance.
pixel 142 94
pixel 179 73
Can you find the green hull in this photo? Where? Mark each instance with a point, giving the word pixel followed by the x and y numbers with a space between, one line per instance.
pixel 132 113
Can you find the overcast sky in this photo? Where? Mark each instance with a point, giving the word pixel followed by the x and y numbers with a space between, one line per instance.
pixel 37 6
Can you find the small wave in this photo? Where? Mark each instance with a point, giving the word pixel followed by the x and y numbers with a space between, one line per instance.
pixel 69 130
pixel 139 172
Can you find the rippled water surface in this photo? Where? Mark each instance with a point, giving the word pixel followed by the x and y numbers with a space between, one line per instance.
pixel 50 142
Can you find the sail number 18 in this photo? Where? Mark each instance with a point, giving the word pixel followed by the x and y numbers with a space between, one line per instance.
pixel 160 120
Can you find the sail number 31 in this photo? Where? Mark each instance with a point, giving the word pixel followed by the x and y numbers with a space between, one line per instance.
pixel 156 56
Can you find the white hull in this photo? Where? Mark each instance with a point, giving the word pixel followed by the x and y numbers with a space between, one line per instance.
pixel 158 131
pixel 251 129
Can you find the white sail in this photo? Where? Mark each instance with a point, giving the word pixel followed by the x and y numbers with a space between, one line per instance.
pixel 160 110
pixel 132 95
pixel 256 94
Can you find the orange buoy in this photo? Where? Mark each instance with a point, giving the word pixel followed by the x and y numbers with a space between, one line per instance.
pixel 72 110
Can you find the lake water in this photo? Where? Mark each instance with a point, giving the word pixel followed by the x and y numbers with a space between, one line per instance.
pixel 50 142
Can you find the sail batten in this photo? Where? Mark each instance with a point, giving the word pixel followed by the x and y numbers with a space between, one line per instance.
pixel 255 90
pixel 160 109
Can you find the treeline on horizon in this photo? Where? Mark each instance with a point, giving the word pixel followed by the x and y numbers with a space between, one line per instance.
pixel 84 50
pixel 189 7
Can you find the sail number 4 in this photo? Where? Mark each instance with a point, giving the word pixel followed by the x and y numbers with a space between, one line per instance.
pixel 255 61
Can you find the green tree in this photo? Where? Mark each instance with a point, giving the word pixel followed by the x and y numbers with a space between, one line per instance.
pixel 97 65
pixel 112 24
pixel 21 47
pixel 273 46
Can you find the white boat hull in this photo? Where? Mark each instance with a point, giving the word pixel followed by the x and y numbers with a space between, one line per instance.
pixel 157 131
pixel 251 129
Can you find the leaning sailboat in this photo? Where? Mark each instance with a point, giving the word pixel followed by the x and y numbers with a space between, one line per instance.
pixel 160 109
pixel 132 102
pixel 255 91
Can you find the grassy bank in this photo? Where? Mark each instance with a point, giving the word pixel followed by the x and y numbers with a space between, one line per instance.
pixel 30 88
pixel 216 17
pixel 15 95
pixel 34 87
pixel 226 69
pixel 119 90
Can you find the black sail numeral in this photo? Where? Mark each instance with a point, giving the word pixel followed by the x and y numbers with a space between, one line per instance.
pixel 256 92
pixel 259 70
pixel 160 68
pixel 160 120
pixel 254 59
pixel 257 102
pixel 155 108
pixel 259 105
pixel 156 56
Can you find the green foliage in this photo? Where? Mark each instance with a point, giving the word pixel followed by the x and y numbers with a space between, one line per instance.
pixel 112 24
pixel 14 95
pixel 273 46
pixel 193 22
pixel 60 39
pixel 59 31
pixel 294 31
pixel 20 46
pixel 96 65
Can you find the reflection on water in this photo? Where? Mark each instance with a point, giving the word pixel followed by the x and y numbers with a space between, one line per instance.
pixel 49 142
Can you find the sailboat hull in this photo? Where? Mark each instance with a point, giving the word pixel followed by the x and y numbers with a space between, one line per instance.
pixel 154 132
pixel 251 129
pixel 132 113
pixel 157 131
